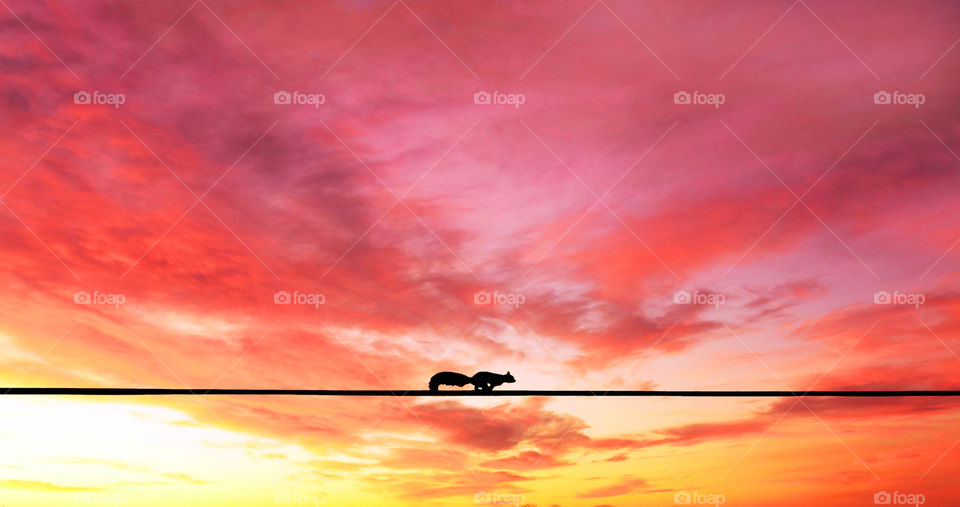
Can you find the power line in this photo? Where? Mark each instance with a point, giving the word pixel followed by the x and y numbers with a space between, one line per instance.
pixel 151 391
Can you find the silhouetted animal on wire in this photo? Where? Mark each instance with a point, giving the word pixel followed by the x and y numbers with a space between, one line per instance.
pixel 486 381
pixel 482 380
pixel 448 378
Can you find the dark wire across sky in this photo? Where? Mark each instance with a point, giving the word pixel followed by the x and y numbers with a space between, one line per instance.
pixel 151 391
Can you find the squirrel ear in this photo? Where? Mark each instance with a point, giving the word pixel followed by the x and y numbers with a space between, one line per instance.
pixel 508 372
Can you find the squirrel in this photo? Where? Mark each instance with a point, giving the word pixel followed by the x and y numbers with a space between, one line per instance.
pixel 482 380
pixel 486 381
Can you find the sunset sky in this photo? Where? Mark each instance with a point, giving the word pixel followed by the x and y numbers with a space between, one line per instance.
pixel 286 194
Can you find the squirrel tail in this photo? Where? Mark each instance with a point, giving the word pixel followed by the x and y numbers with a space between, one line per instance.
pixel 434 385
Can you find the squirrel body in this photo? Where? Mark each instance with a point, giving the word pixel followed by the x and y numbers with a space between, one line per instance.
pixel 448 378
pixel 482 380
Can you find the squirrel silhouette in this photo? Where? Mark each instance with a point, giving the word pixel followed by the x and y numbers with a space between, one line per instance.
pixel 486 381
pixel 482 380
